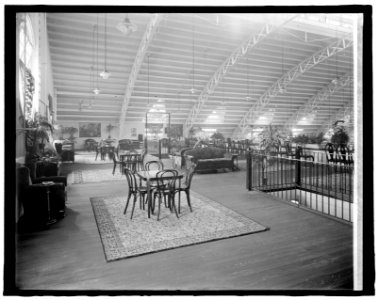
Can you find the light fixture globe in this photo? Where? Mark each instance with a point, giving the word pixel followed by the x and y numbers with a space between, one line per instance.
pixel 105 74
pixel 126 27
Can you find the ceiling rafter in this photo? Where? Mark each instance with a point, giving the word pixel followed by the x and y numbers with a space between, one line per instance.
pixel 144 44
pixel 287 78
pixel 321 96
pixel 220 73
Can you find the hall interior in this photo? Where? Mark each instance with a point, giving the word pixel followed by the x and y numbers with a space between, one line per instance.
pixel 259 110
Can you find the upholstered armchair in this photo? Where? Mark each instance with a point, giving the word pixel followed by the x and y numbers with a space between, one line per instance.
pixel 43 200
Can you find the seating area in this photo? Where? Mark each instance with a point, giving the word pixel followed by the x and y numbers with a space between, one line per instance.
pixel 42 196
pixel 188 153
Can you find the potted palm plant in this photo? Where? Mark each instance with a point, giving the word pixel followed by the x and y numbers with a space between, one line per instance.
pixel 270 140
pixel 340 135
pixel 109 130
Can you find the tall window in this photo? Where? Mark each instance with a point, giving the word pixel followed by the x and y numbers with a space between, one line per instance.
pixel 26 40
pixel 26 80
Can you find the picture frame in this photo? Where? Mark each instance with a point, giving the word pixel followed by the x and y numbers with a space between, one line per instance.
pixel 89 129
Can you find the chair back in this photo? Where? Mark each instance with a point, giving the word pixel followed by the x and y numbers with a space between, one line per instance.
pixel 132 180
pixel 115 158
pixel 154 165
pixel 23 177
pixel 329 151
pixel 188 177
pixel 166 179
pixel 125 145
pixel 131 161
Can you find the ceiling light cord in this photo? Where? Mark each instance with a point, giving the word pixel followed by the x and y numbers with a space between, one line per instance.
pixel 105 42
pixel 193 54
pixel 97 50
pixel 247 78
pixel 92 68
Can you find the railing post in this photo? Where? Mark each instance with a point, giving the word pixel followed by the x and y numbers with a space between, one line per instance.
pixel 248 171
pixel 298 166
pixel 159 149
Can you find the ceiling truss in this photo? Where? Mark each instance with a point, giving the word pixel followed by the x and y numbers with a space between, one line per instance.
pixel 280 85
pixel 320 97
pixel 239 52
pixel 144 45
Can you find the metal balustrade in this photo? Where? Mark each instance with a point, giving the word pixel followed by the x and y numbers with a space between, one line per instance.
pixel 324 187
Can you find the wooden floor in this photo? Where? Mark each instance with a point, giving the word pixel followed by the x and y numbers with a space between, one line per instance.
pixel 301 251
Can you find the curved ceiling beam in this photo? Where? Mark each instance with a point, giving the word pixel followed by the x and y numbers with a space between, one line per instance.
pixel 320 97
pixel 220 73
pixel 280 85
pixel 143 46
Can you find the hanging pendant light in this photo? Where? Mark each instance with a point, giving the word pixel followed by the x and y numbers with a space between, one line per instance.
pixel 193 90
pixel 96 90
pixel 148 80
pixel 105 74
pixel 126 27
pixel 282 89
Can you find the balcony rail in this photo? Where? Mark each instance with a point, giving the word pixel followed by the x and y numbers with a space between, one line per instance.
pixel 325 187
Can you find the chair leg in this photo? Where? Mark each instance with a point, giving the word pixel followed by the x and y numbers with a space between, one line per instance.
pixel 127 203
pixel 189 199
pixel 173 204
pixel 134 204
pixel 153 202
pixel 165 202
pixel 179 202
pixel 159 206
pixel 143 201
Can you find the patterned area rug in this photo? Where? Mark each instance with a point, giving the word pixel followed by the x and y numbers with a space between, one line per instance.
pixel 123 237
pixel 86 176
pixel 83 157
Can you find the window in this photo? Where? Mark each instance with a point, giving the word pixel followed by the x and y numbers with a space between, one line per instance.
pixel 26 80
pixel 26 40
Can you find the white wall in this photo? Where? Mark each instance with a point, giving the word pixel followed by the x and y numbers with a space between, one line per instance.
pixel 140 129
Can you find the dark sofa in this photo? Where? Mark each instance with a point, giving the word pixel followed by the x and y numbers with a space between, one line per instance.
pixel 211 159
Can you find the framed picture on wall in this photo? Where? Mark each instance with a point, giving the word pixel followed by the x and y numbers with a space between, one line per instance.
pixel 134 132
pixel 87 129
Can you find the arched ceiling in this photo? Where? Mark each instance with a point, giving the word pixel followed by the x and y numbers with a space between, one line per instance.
pixel 183 54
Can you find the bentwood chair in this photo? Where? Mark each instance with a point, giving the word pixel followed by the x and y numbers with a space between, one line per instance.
pixel 140 160
pixel 117 162
pixel 134 190
pixel 166 185
pixel 185 186
pixel 131 161
pixel 154 165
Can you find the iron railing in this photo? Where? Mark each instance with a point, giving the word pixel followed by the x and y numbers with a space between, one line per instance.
pixel 327 188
